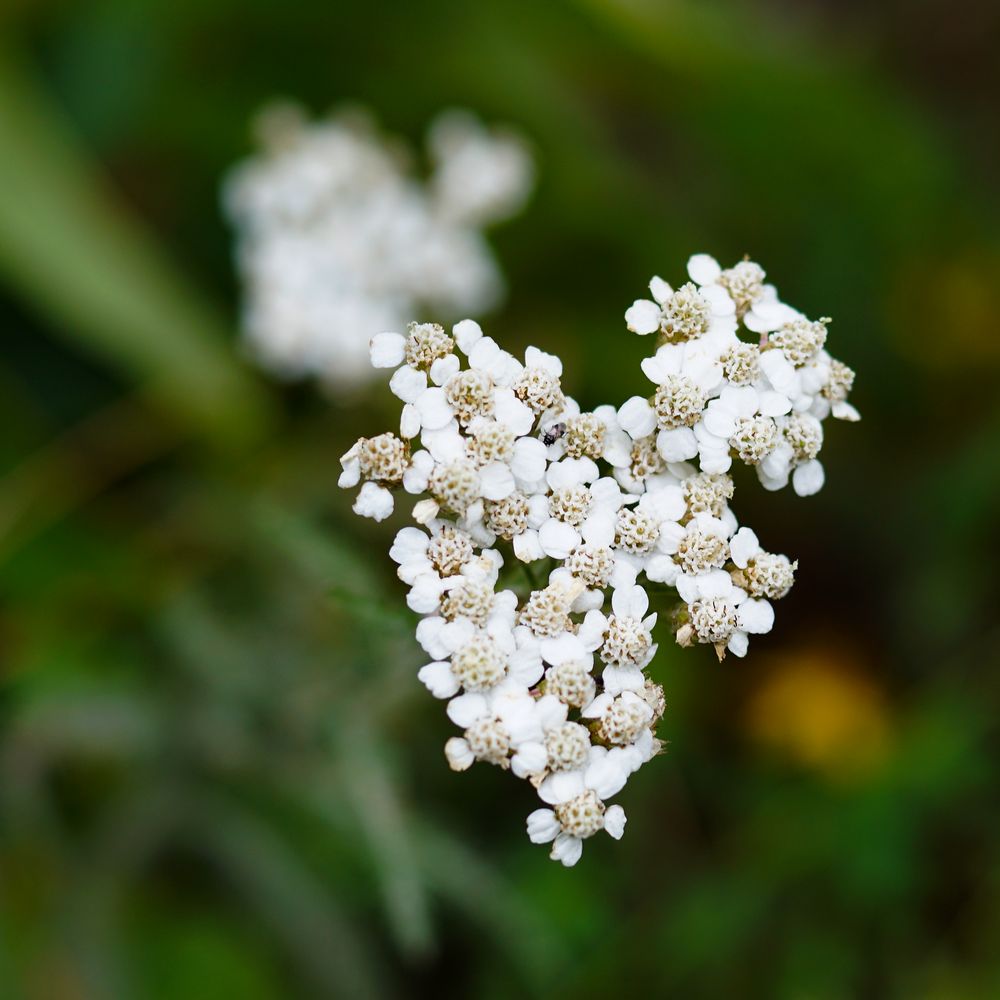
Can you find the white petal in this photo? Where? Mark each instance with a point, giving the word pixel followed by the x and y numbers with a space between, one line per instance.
pixel 444 369
pixel 777 463
pixel 558 539
pixel 666 503
pixel 434 409
pixel 386 350
pixel 719 419
pixel 738 644
pixel 779 371
pixel 407 384
pixel 771 483
pixel 661 569
pixel 409 543
pixel 425 594
pixel 425 510
pixel 592 629
pixel 703 269
pixel 527 548
pixel 637 418
pixel 551 711
pixel 808 478
pixel 728 519
pixel 496 481
pixel 409 421
pixel 538 509
pixel 486 356
pixel 599 528
pixel 351 475
pixel 614 821
pixel 704 371
pixel 597 707
pixel 429 635
pixel 543 826
pixel 561 475
pixel 525 666
pixel 660 290
pixel 566 849
pixel 774 404
pixel 534 358
pixel 630 602
pixel 589 600
pixel 687 587
pixel 466 708
pixel 516 711
pixel 656 369
pixel 714 459
pixel 671 534
pixel 755 616
pixel 438 679
pixel 373 501
pixel 511 412
pixel 716 583
pixel 617 447
pixel 607 775
pixel 756 323
pixel 618 679
pixel 459 754
pixel 417 473
pixel 484 353
pixel 719 299
pixel 677 444
pixel 643 317
pixel 743 546
pixel 530 459
pixel 769 315
pixel 456 634
pixel 445 444
pixel 607 494
pixel 466 334
pixel 562 649
pixel 740 400
pixel 561 787
pixel 531 758
pixel 844 411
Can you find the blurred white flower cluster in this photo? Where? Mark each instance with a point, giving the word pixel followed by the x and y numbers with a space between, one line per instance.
pixel 337 239
pixel 544 667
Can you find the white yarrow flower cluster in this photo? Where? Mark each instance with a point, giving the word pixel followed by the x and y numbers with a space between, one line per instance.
pixel 719 397
pixel 337 239
pixel 541 529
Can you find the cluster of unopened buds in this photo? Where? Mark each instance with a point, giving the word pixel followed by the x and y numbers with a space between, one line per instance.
pixel 545 673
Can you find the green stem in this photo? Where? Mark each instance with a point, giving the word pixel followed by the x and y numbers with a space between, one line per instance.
pixel 530 575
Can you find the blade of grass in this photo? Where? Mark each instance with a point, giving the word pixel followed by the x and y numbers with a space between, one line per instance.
pixel 323 940
pixel 474 888
pixel 386 828
pixel 78 257
pixel 76 467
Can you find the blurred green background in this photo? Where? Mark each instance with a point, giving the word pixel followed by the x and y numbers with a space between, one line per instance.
pixel 219 776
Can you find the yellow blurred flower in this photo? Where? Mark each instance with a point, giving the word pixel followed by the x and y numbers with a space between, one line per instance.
pixel 816 707
pixel 942 311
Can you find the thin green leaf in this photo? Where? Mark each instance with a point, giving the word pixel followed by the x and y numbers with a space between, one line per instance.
pixel 322 939
pixel 77 256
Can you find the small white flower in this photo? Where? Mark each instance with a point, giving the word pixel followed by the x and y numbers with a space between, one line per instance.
pixel 570 823
pixel 722 419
